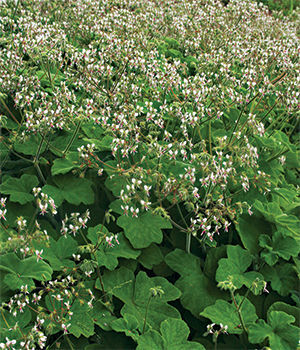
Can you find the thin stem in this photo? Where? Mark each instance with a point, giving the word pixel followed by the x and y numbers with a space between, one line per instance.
pixel 189 235
pixel 97 267
pixel 8 110
pixel 72 139
pixel 209 135
pixel 188 242
pixel 236 125
pixel 146 313
pixel 36 165
pixel 69 342
pixel 239 311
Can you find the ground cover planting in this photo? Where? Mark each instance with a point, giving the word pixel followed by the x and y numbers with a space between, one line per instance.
pixel 149 175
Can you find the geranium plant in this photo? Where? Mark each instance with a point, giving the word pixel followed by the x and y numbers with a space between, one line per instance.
pixel 148 175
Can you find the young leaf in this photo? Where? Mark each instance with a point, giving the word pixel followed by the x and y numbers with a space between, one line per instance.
pixel 64 165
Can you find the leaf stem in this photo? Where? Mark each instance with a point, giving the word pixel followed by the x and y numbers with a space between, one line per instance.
pixel 238 311
pixel 72 138
pixel 146 313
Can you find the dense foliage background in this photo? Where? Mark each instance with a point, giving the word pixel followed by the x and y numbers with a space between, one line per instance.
pixel 149 175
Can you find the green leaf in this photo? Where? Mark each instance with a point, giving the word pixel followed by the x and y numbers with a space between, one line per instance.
pixel 135 294
pixel 279 331
pixel 23 270
pixel 92 130
pixel 279 246
pixel 108 256
pixel 174 335
pixel 20 189
pixel 59 252
pixel 283 278
pixel 197 290
pixel 151 256
pixel 214 254
pixel 128 324
pixel 73 190
pixel 81 321
pixel 102 316
pixel 144 230
pixel 64 165
pixel 115 183
pixel 150 340
pixel 249 229
pixel 103 144
pixel 289 309
pixel 233 268
pixel 226 313
pixel 30 146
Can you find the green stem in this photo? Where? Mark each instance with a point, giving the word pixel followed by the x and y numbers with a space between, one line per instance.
pixel 209 135
pixel 277 155
pixel 97 268
pixel 236 125
pixel 146 313
pixel 8 110
pixel 239 312
pixel 69 342
pixel 189 235
pixel 72 138
pixel 16 8
pixel 188 242
pixel 39 171
pixel 291 6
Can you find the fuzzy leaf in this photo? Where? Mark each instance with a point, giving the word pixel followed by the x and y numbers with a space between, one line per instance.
pixel 197 290
pixel 144 230
pixel 135 294
pixel 226 313
pixel 30 146
pixel 24 270
pixel 174 334
pixel 81 322
pixel 279 246
pixel 20 189
pixel 279 331
pixel 234 268
pixel 102 317
pixel 64 165
pixel 73 190
pixel 59 252
pixel 288 309
pixel 249 229
pixel 128 324
pixel 282 277
pixel 151 256
pixel 108 256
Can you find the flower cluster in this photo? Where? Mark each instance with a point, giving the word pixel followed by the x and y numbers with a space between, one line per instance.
pixel 44 202
pixel 74 222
